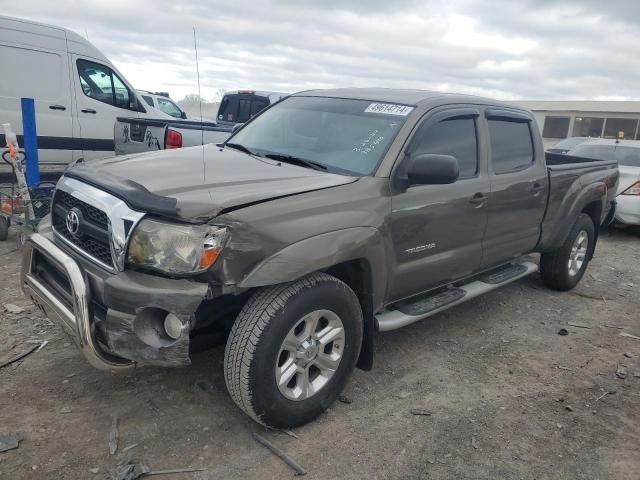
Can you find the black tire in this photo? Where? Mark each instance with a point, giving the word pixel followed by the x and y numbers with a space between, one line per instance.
pixel 4 228
pixel 554 266
pixel 253 348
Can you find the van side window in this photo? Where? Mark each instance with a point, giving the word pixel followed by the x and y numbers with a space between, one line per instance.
pixel 456 137
pixel 511 145
pixel 148 99
pixel 102 84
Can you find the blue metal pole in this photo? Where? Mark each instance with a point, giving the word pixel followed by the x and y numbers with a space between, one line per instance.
pixel 30 140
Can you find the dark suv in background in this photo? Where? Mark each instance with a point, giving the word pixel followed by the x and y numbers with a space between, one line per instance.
pixel 239 106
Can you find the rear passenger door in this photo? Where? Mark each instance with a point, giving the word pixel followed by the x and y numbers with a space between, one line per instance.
pixel 519 185
pixel 437 230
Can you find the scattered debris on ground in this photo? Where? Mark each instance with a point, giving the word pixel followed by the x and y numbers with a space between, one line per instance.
pixel 621 372
pixel 420 412
pixel 563 331
pixel 9 442
pixel 345 399
pixel 129 471
pixel 577 325
pixel 113 436
pixel 628 335
pixel 280 454
pixel 11 308
pixel 34 348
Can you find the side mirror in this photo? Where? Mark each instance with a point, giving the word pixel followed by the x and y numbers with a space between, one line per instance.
pixel 183 115
pixel 432 169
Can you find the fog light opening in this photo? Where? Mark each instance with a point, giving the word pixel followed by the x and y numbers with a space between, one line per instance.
pixel 157 327
pixel 173 326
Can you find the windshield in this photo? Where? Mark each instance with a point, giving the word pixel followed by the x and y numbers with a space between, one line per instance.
pixel 345 136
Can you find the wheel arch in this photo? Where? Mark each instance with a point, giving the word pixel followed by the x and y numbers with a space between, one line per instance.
pixel 354 255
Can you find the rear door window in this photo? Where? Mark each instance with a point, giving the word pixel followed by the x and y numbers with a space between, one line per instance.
pixel 239 108
pixel 228 111
pixel 511 145
pixel 148 99
pixel 244 109
pixel 258 104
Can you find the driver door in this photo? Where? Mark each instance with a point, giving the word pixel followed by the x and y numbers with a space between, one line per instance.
pixel 437 230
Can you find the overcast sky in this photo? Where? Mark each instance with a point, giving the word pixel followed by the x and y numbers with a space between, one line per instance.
pixel 508 49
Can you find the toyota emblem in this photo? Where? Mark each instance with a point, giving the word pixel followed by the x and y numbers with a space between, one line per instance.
pixel 73 222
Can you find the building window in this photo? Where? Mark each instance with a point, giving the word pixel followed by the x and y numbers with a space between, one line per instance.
pixel 625 125
pixel 556 127
pixel 588 127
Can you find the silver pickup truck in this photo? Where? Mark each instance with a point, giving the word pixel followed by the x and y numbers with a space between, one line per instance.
pixel 329 217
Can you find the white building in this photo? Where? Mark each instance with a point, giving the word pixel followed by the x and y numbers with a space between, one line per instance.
pixel 559 119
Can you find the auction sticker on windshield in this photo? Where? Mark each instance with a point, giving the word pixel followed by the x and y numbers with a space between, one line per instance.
pixel 389 109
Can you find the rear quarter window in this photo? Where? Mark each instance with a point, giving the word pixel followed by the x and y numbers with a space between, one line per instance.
pixel 511 145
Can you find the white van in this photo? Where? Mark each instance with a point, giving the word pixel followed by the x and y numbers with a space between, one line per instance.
pixel 78 93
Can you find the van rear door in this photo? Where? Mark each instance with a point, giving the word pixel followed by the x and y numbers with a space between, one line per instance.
pixel 240 107
pixel 101 97
pixel 35 65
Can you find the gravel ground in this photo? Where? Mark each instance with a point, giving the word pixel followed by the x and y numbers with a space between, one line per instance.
pixel 508 396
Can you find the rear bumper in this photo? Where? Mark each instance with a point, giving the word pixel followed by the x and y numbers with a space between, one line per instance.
pixel 76 321
pixel 628 209
pixel 116 320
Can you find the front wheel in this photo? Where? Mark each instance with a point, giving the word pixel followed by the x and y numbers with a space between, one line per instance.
pixel 563 268
pixel 292 350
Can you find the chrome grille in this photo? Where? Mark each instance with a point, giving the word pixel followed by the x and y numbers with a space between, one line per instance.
pixel 101 224
pixel 94 236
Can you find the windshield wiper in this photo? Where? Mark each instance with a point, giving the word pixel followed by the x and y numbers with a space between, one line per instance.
pixel 242 148
pixel 296 161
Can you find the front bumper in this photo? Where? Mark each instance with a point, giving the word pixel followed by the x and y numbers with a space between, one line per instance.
pixel 76 321
pixel 109 316
pixel 628 209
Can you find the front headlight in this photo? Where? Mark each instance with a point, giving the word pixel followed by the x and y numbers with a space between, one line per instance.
pixel 175 248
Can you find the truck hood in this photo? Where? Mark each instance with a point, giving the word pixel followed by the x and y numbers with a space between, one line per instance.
pixel 198 183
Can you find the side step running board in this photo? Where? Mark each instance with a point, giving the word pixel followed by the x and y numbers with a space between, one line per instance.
pixel 408 312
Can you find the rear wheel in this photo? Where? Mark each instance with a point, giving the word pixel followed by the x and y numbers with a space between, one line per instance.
pixel 563 268
pixel 292 350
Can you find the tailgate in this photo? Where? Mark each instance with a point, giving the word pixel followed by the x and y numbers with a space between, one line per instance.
pixel 134 135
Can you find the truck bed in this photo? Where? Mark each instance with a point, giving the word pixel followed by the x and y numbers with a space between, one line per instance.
pixel 573 183
pixel 137 135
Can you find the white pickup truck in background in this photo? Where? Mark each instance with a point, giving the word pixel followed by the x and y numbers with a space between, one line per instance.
pixel 136 135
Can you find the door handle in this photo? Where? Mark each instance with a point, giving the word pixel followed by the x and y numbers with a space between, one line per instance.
pixel 536 188
pixel 88 110
pixel 479 199
pixel 57 107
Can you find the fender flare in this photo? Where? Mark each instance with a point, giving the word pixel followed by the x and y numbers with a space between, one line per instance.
pixel 596 192
pixel 322 252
